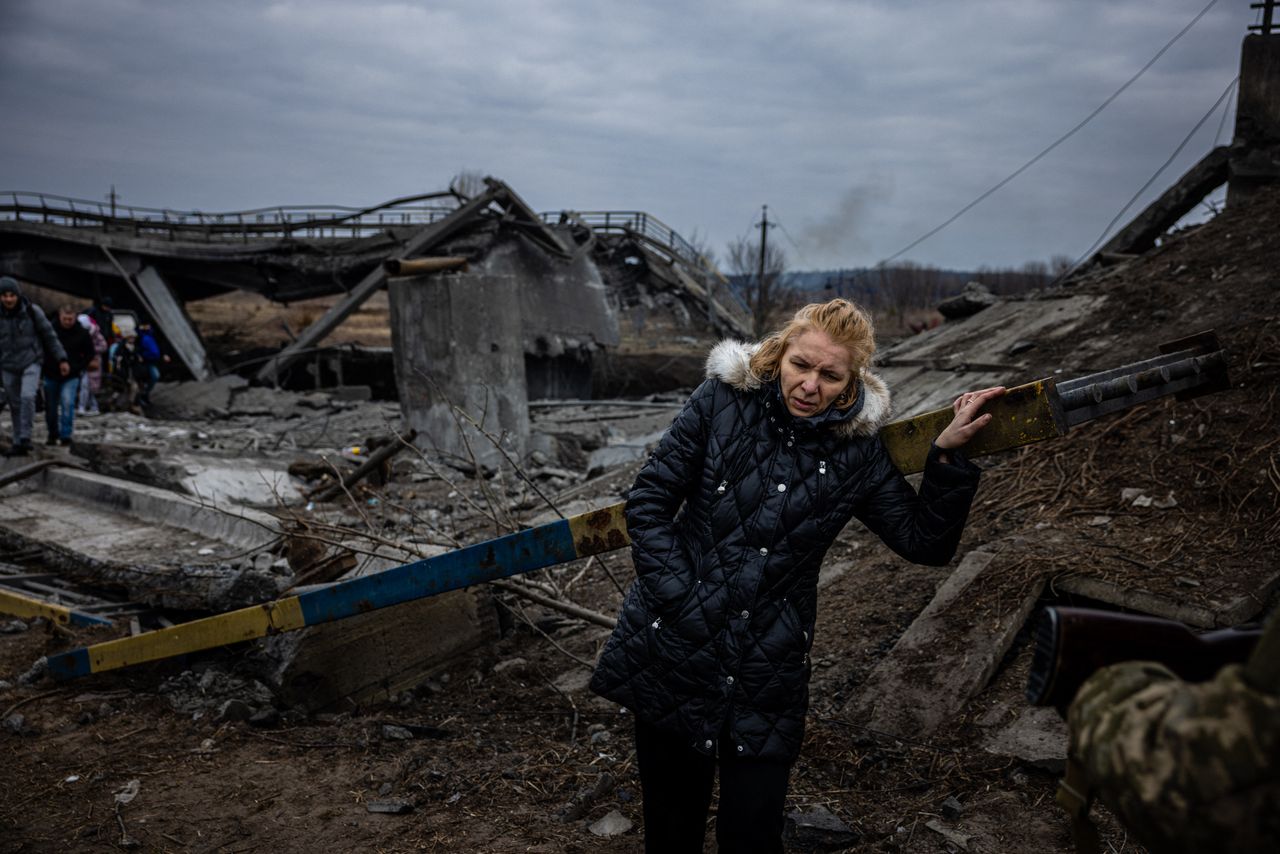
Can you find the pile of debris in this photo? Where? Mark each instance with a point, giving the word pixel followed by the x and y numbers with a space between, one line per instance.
pixel 918 738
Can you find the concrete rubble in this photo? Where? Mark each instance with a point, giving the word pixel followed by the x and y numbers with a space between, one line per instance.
pixel 212 506
pixel 817 829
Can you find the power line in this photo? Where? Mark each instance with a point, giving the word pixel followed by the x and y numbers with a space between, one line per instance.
pixel 1226 111
pixel 799 252
pixel 1024 167
pixel 1102 237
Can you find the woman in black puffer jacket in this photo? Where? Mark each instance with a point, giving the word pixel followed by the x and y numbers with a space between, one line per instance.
pixel 729 521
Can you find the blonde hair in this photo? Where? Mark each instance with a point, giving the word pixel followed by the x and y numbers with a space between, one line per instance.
pixel 846 324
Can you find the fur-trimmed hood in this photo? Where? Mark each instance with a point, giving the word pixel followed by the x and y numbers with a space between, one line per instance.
pixel 730 362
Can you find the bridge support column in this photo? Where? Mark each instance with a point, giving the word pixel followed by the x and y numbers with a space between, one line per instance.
pixel 1255 150
pixel 169 316
pixel 157 298
pixel 457 342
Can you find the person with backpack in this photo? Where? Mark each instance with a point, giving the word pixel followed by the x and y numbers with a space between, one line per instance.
pixel 26 337
pixel 151 359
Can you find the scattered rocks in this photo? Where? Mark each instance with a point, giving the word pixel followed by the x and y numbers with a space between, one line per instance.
pixel 192 400
pixel 267 718
pixel 211 692
pixel 128 792
pixel 588 795
pixel 818 830
pixel 613 824
pixel 1138 498
pixel 955 837
pixel 233 710
pixel 15 723
pixel 952 808
pixel 1018 347
pixel 509 664
pixel 974 298
pixel 391 732
pixel 389 807
pixel 13 627
pixel 37 671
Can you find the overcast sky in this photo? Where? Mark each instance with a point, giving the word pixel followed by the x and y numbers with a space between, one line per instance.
pixel 861 124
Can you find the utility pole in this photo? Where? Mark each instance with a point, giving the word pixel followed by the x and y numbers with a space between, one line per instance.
pixel 1268 8
pixel 762 290
pixel 112 197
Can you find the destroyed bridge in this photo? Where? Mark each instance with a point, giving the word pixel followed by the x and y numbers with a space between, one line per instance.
pixel 155 261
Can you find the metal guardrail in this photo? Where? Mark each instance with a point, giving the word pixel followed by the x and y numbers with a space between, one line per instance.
pixel 636 222
pixel 281 221
pixel 319 222
pixel 656 231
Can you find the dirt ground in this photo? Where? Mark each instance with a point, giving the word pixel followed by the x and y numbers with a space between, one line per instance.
pixel 508 751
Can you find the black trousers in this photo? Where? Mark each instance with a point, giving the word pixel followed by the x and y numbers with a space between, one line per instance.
pixel 676 783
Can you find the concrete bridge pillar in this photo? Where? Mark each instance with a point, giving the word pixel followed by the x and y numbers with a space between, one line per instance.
pixel 458 343
pixel 1255 150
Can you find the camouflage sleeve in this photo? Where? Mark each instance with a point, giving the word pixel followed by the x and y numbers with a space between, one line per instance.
pixel 1186 767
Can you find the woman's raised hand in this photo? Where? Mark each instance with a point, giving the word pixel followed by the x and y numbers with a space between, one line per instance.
pixel 969 418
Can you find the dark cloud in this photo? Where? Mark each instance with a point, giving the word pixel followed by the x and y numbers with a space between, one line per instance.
pixel 698 113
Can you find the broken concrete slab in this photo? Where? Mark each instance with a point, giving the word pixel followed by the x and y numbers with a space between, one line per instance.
pixel 953 836
pixel 161 548
pixel 1141 233
pixel 917 389
pixel 985 345
pixel 195 400
pixel 974 298
pixel 132 461
pixel 1037 736
pixel 936 666
pixel 242 527
pixel 233 483
pixel 379 654
pixel 818 829
pixel 622 452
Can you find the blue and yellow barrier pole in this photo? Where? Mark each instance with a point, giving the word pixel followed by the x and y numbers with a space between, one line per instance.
pixel 17 605
pixel 514 554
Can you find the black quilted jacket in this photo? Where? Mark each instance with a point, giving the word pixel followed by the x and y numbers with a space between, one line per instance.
pixel 729 521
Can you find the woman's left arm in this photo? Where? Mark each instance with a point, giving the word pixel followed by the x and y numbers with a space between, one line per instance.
pixel 926 527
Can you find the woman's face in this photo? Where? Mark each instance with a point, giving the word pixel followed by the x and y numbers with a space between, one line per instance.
pixel 814 371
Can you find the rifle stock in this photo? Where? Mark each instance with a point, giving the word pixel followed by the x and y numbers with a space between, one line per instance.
pixel 1072 643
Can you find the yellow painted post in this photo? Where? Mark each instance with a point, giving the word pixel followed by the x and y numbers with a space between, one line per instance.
pixel 18 605
pixel 256 621
pixel 1026 414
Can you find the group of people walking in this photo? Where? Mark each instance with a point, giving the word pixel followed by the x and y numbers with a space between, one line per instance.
pixel 71 350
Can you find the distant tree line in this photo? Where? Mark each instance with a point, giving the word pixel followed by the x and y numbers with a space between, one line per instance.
pixel 900 296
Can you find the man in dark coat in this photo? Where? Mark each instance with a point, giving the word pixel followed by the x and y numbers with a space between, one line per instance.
pixel 25 339
pixel 729 522
pixel 101 313
pixel 61 391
